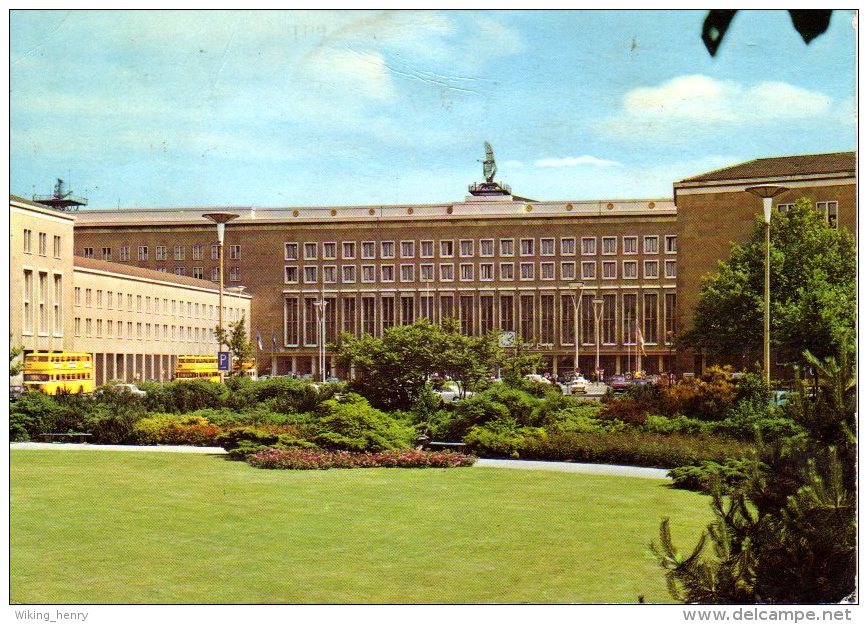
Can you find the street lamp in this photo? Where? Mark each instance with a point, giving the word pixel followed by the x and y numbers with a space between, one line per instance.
pixel 321 313
pixel 767 193
pixel 598 311
pixel 221 219
pixel 577 307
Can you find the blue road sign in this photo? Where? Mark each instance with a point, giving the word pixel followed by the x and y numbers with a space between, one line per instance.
pixel 223 361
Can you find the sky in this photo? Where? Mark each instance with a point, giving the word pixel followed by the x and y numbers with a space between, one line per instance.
pixel 319 108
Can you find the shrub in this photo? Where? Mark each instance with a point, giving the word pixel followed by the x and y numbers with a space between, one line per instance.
pixel 501 438
pixel 184 396
pixel 500 402
pixel 322 460
pixel 680 423
pixel 114 424
pixel 747 421
pixel 174 429
pixel 729 475
pixel 243 441
pixel 353 425
pixel 33 413
pixel 582 418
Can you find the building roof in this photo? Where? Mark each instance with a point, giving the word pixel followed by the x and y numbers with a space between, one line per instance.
pixel 783 166
pixel 15 199
pixel 161 276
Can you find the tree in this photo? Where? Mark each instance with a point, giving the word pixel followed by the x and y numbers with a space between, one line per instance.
pixel 15 364
pixel 809 23
pixel 813 293
pixel 466 359
pixel 517 361
pixel 236 342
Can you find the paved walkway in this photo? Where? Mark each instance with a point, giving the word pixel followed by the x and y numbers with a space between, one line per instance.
pixel 520 464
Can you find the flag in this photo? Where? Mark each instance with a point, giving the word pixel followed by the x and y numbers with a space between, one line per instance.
pixel 259 340
pixel 640 340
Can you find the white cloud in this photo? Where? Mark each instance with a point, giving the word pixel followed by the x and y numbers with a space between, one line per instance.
pixel 347 69
pixel 574 161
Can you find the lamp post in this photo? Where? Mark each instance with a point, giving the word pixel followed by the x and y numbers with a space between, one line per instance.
pixel 767 193
pixel 321 313
pixel 221 219
pixel 598 311
pixel 578 287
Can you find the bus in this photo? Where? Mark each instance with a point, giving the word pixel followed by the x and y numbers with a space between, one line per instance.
pixel 205 367
pixel 56 372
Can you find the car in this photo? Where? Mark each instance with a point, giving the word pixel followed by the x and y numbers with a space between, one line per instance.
pixel 124 388
pixel 618 383
pixel 579 385
pixel 332 379
pixel 451 392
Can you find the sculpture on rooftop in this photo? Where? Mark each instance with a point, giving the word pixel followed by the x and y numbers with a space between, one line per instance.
pixel 489 167
pixel 489 170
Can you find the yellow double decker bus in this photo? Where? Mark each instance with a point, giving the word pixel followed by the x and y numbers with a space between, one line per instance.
pixel 58 371
pixel 205 367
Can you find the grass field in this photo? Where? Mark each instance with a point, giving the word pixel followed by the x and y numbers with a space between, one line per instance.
pixel 118 527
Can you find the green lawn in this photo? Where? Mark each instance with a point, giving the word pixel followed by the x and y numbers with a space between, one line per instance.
pixel 117 527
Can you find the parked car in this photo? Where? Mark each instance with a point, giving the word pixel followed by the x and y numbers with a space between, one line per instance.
pixel 579 385
pixel 451 392
pixel 332 379
pixel 123 388
pixel 618 383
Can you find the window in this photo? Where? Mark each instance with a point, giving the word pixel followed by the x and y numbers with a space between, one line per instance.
pixel 110 300
pixel 669 316
pixel 369 319
pixel 28 241
pixel 88 297
pixel 649 318
pixel 406 272
pixel 310 251
pixel 589 270
pixel 310 275
pixel 87 252
pixel 447 272
pixel 631 245
pixel 671 268
pixel 387 311
pixel 486 248
pixel 77 326
pixel 290 251
pixel 630 269
pixel 143 253
pixel 608 325
pixel 290 274
pixel 180 271
pixel 88 327
pixel 610 245
pixel 107 254
pixel 466 248
pixel 507 247
pixel 408 249
pixel 568 270
pixel 349 317
pixel 387 273
pixel 43 303
pixel 547 246
pixel 407 310
pixel 198 272
pixel 234 252
pixel 507 317
pixel 124 254
pixel 547 270
pixel 215 274
pixel 77 291
pixel 57 247
pixel 589 246
pixel 568 246
pixel 785 208
pixel 179 252
pixel 368 274
pixel 99 298
pixel 465 314
pixel 329 251
pixel 447 249
pixel 197 251
pixel 528 329
pixel 426 272
pixel 426 249
pixel 138 303
pixel 369 250
pixel 651 245
pixel 348 250
pixel 28 301
pixel 671 244
pixel 526 271
pixel 507 271
pixel 651 269
pixel 587 320
pixel 466 273
pixel 527 246
pixel 629 319
pixel 43 244
pixel 486 272
pixel 568 326
pixel 486 314
pixel 387 249
pixel 330 274
pixel 292 318
pixel 609 269
pixel 215 252
pixel 829 209
pixel 348 274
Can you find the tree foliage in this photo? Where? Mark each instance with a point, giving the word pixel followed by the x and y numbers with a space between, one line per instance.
pixel 809 23
pixel 813 293
pixel 235 340
pixel 15 364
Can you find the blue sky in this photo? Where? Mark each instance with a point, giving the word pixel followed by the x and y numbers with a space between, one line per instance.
pixel 154 108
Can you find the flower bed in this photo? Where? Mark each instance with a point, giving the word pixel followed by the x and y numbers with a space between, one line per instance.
pixel 302 459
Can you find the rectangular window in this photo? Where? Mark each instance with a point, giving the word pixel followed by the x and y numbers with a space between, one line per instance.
pixel 589 246
pixel 568 324
pixel 77 326
pixel 99 298
pixel 486 272
pixel 349 318
pixel 407 272
pixel 387 249
pixel 507 271
pixel 426 272
pixel 526 246
pixel 587 320
pixel 466 272
pixel 671 243
pixel 607 322
pixel 649 318
pixel 671 268
pixel 348 250
pixel 179 252
pixel 651 269
pixel 43 245
pixel 160 252
pixel 507 247
pixel 197 251
pixel 669 314
pixel 368 273
pixel 447 272
pixel 408 249
pixel 387 311
pixel 180 271
pixel 547 320
pixel 446 307
pixel 234 252
pixel 88 252
pixel 215 274
pixel 57 305
pixel 465 314
pixel 426 306
pixel 387 273
pixel 630 269
pixel 651 245
pixel 528 329
pixel 107 254
pixel 310 275
pixel 486 247
pixel 426 249
pixel 369 250
pixel 28 241
pixel 589 270
pixel 348 274
pixel 215 252
pixel 568 246
pixel 568 270
pixel 547 246
pixel 330 274
pixel 630 244
pixel 290 251
pixel 57 247
pixel 609 269
pixel 507 318
pixel 311 329
pixel 526 271
pixel 76 291
pixel 43 303
pixel 329 251
pixel 629 317
pixel 198 272
pixel 88 297
pixel 547 270
pixel 610 245
pixel 466 248
pixel 124 254
pixel 407 310
pixel 829 209
pixel 28 301
pixel 369 319
pixel 143 253
pixel 447 249
pixel 331 320
pixel 310 251
pixel 292 320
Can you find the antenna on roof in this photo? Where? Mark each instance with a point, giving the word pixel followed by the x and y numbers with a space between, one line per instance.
pixel 61 199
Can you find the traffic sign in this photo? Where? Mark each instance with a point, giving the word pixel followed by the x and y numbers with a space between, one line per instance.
pixel 223 361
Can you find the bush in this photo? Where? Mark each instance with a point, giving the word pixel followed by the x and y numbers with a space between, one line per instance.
pixel 729 475
pixel 501 438
pixel 500 402
pixel 33 413
pixel 582 418
pixel 243 441
pixel 353 425
pixel 680 423
pixel 114 425
pixel 174 429
pixel 320 460
pixel 747 421
pixel 184 396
